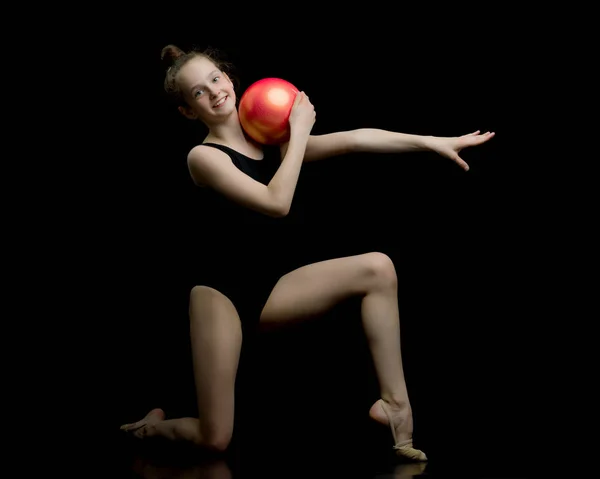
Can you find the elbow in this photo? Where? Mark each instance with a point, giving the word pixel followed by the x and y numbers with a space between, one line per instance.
pixel 278 205
pixel 280 211
pixel 274 210
pixel 357 139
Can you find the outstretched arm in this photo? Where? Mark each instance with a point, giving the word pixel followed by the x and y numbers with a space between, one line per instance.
pixel 372 140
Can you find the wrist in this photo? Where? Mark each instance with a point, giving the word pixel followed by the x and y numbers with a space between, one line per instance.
pixel 299 135
pixel 426 142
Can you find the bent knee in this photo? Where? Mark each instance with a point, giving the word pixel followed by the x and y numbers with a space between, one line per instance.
pixel 217 441
pixel 381 267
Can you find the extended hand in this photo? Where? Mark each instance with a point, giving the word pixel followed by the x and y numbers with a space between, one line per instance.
pixel 451 146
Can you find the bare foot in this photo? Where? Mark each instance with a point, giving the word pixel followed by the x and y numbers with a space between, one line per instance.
pixel 139 428
pixel 401 427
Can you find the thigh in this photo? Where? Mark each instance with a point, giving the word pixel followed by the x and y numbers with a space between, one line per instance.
pixel 313 289
pixel 216 339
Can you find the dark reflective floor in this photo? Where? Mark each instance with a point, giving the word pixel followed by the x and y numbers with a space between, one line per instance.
pixel 166 461
pixel 149 468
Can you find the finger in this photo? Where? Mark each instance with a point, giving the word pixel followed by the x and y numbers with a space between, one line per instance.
pixel 475 140
pixel 298 98
pixel 474 133
pixel 461 163
pixel 486 134
pixel 485 137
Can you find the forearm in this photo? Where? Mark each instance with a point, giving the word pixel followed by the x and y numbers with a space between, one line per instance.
pixel 283 184
pixel 374 140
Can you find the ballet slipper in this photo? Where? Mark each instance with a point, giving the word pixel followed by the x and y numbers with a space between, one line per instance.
pixel 403 449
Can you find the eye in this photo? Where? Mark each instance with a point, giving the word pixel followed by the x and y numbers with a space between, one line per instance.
pixel 216 79
pixel 197 93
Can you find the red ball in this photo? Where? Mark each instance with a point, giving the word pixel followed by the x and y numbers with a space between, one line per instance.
pixel 264 110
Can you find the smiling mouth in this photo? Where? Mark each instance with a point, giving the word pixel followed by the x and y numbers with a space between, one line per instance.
pixel 220 102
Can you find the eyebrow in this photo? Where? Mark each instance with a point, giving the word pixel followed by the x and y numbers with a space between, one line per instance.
pixel 207 76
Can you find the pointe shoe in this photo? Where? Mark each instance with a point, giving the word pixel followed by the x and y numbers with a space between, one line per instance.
pixel 403 449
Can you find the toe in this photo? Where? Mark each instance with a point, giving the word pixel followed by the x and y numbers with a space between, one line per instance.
pixel 133 426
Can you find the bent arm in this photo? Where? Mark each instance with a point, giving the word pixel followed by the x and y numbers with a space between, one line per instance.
pixel 212 168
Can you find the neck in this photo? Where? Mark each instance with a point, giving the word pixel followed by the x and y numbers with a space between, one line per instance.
pixel 228 132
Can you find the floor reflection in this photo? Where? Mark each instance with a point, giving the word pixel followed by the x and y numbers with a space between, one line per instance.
pixel 219 468
pixel 404 471
pixel 148 468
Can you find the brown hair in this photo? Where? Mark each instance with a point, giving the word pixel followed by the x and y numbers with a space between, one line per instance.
pixel 175 58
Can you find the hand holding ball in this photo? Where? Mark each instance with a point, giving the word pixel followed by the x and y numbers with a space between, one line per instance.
pixel 264 110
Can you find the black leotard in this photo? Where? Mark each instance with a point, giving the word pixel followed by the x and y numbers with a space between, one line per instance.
pixel 243 253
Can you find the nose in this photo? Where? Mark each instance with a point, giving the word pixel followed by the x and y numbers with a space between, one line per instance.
pixel 213 90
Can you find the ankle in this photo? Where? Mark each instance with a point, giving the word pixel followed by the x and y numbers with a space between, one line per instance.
pixel 396 402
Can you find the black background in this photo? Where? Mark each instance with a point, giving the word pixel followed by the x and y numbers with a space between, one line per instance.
pixel 459 240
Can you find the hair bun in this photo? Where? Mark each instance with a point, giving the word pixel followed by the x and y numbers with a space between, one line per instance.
pixel 170 53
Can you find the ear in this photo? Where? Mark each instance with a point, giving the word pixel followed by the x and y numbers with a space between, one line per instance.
pixel 187 112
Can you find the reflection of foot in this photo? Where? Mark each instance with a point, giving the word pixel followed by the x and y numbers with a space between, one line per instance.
pixel 140 428
pixel 399 419
pixel 408 471
pixel 149 469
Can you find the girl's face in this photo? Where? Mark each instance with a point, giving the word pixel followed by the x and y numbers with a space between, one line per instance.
pixel 208 91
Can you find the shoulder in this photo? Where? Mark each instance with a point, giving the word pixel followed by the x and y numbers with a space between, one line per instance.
pixel 204 161
pixel 200 153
